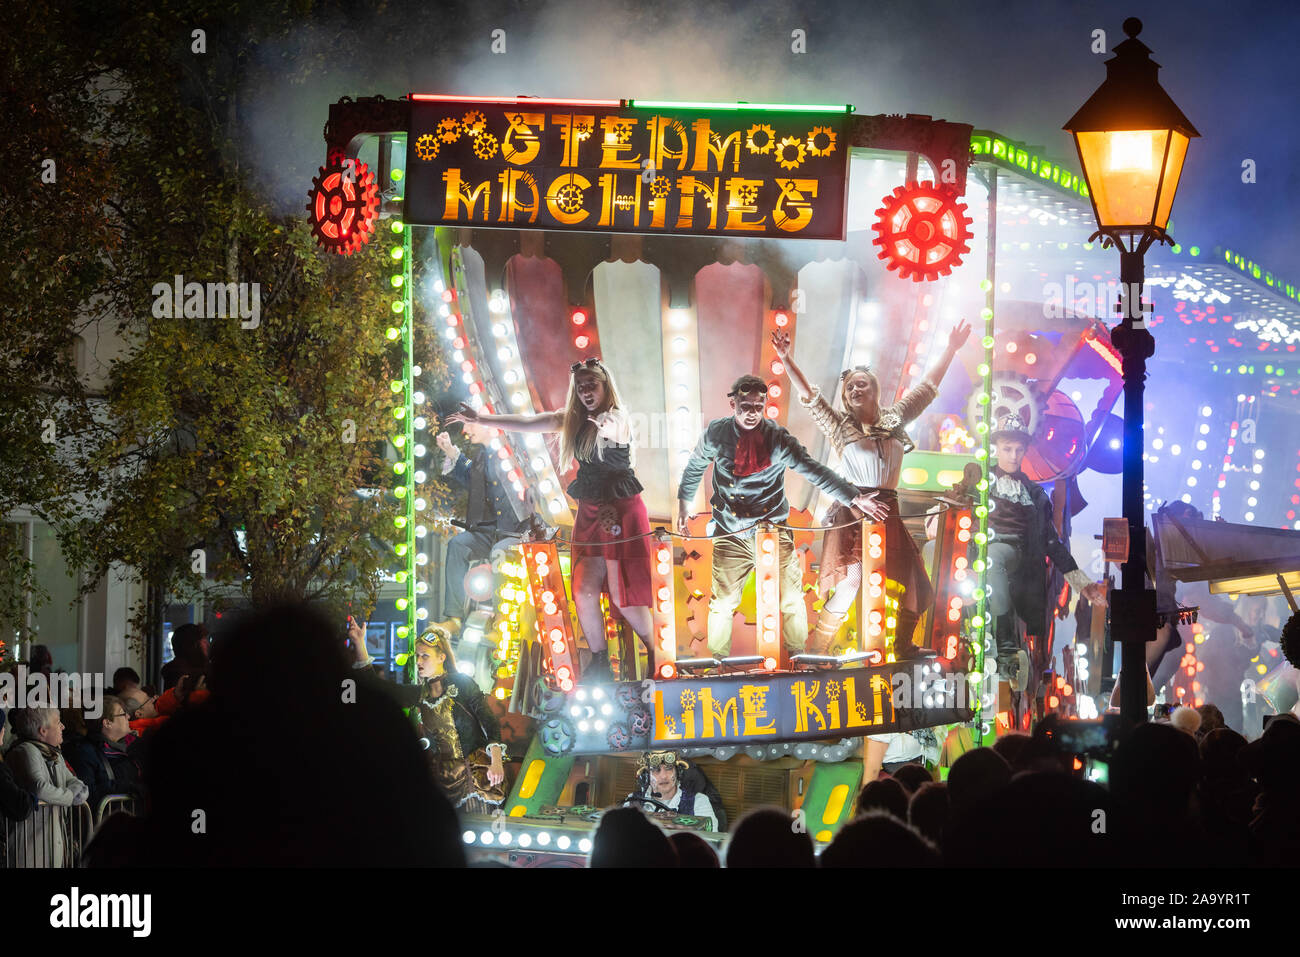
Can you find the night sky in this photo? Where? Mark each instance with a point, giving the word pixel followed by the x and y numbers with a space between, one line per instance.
pixel 1020 68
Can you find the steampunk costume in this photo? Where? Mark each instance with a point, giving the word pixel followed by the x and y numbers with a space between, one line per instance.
pixel 749 488
pixel 460 727
pixel 612 515
pixel 1022 538
pixel 871 458
pixel 489 516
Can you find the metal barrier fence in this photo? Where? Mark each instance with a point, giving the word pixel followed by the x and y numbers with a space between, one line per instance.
pixel 54 835
pixel 51 836
pixel 112 804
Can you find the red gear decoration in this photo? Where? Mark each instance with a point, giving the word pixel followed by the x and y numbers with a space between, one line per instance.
pixel 922 231
pixel 343 208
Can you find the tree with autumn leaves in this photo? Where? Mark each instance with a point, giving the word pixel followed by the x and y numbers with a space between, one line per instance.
pixel 255 454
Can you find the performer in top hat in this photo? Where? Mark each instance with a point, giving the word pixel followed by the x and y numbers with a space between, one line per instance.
pixel 1022 537
pixel 750 454
pixel 871 444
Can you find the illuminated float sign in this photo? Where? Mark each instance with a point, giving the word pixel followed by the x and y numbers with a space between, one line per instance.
pixel 756 708
pixel 663 168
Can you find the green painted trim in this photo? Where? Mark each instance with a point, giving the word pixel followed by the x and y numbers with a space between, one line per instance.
pixel 826 777
pixel 549 787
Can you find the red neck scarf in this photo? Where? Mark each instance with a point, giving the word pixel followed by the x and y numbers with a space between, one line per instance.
pixel 753 453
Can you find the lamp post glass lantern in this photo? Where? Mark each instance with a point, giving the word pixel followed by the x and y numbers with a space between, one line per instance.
pixel 1132 141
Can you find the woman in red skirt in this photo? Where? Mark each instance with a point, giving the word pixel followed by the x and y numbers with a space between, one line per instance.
pixel 611 545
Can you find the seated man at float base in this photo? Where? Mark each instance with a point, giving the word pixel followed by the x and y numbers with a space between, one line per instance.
pixel 750 454
pixel 659 776
pixel 1022 536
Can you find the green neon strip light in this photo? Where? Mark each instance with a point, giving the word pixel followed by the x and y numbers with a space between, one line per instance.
pixel 1007 153
pixel 755 107
pixel 981 635
pixel 408 396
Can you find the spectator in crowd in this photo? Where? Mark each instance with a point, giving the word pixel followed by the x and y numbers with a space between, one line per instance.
pixel 125 681
pixel 41 662
pixel 694 851
pixel 625 837
pixel 1274 762
pixel 1211 720
pixel 102 760
pixel 74 729
pixel 190 648
pixel 887 795
pixel 879 839
pixel 15 802
pixel 1187 720
pixel 1014 748
pixel 912 777
pixel 282 758
pixel 928 811
pixel 974 776
pixel 1037 819
pixel 766 838
pixel 1225 795
pixel 1152 776
pixel 40 768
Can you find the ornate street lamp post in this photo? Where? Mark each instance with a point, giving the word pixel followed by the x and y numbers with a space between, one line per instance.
pixel 1132 140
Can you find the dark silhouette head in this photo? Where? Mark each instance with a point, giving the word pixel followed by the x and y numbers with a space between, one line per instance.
pixel 1014 748
pixel 1274 759
pixel 1211 720
pixel 878 839
pixel 693 850
pixel 768 837
pixel 1219 756
pixel 887 795
pixel 283 760
pixel 42 660
pixel 1039 819
pixel 1155 766
pixel 976 775
pixel 928 811
pixel 189 643
pixel 911 777
pixel 627 838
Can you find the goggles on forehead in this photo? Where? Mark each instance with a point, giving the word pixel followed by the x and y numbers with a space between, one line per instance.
pixel 658 759
pixel 848 372
pixel 590 362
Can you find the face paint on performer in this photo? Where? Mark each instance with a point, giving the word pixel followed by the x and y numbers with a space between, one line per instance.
pixel 590 388
pixel 663 781
pixel 1010 453
pixel 749 408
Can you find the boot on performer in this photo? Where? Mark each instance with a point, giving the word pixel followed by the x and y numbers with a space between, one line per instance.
pixel 822 638
pixel 904 649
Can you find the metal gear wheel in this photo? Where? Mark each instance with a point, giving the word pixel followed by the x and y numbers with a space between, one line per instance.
pixel 485 146
pixel 426 147
pixel 449 130
pixel 922 231
pixel 1012 394
pixel 343 206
